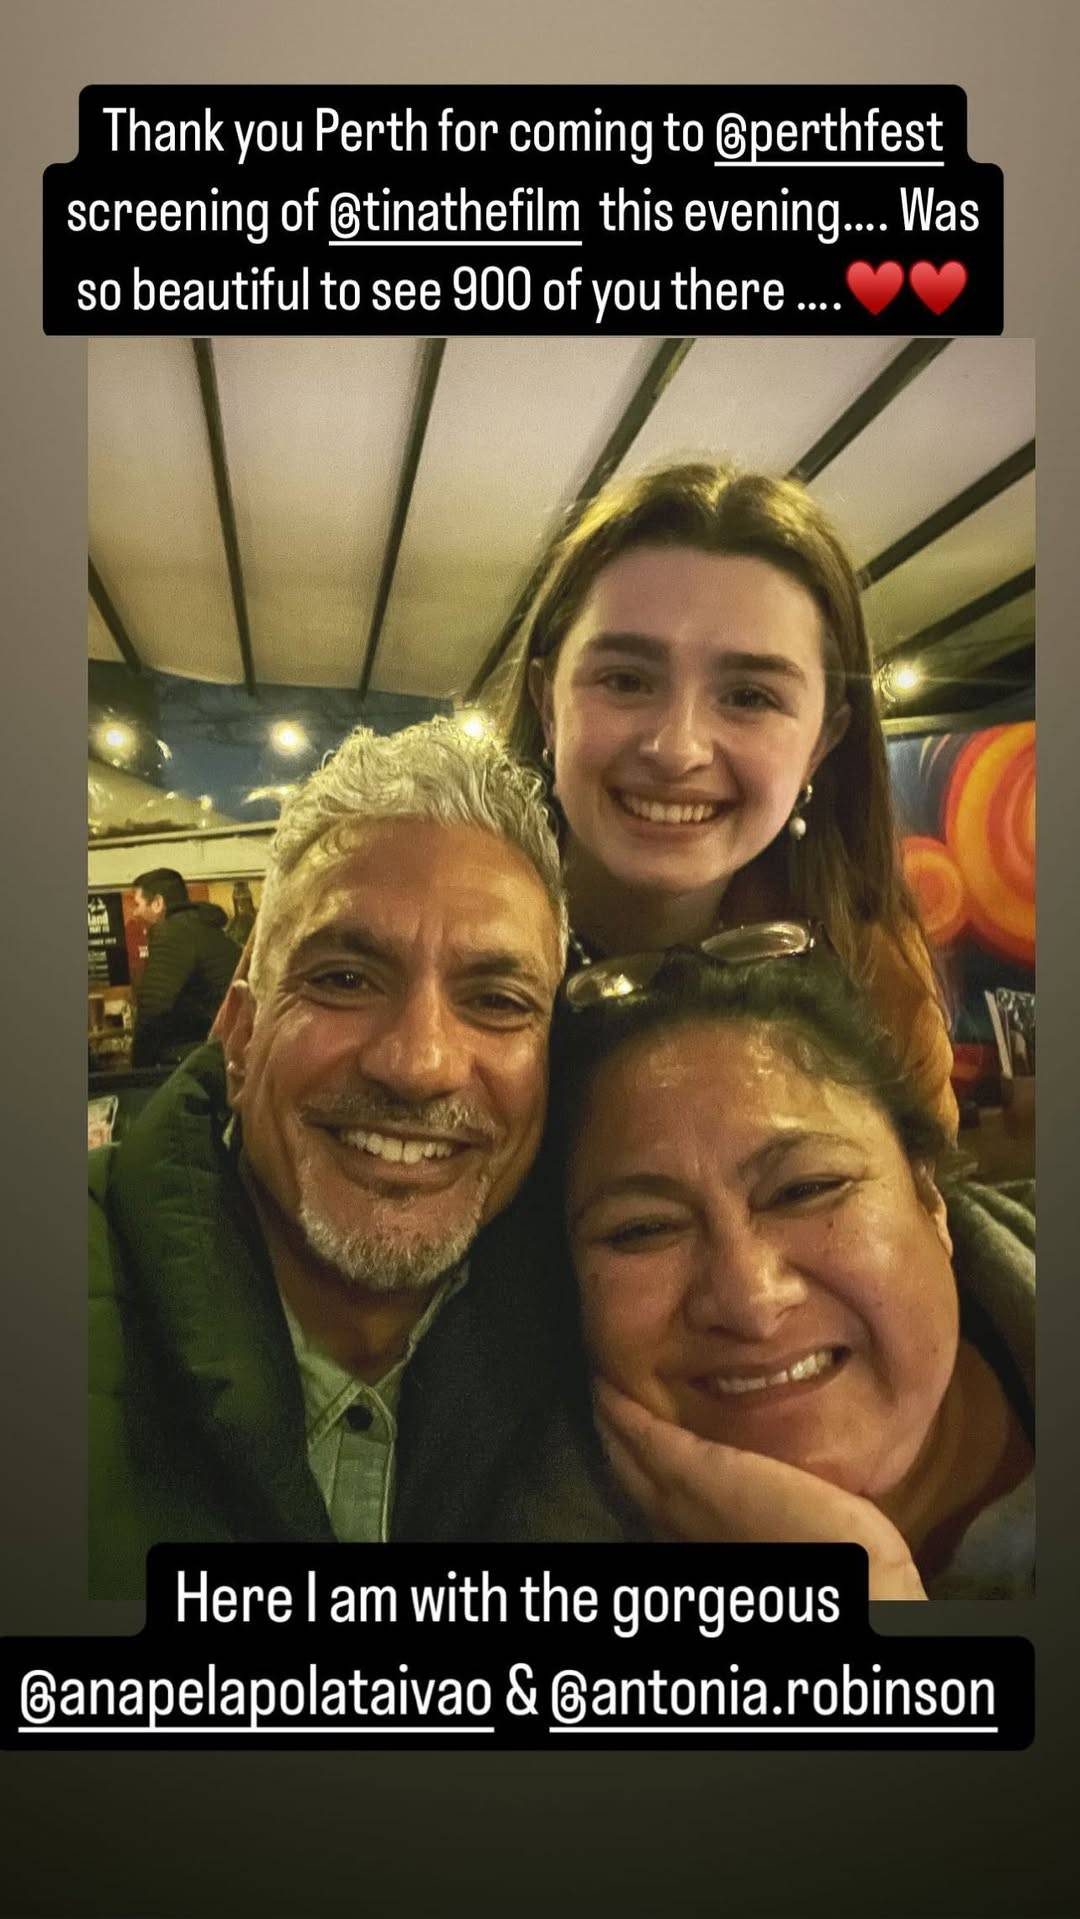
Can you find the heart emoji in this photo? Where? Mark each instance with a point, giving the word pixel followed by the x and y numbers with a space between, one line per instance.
pixel 938 287
pixel 874 287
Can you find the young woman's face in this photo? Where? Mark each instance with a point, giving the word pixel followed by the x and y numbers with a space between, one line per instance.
pixel 685 711
pixel 757 1260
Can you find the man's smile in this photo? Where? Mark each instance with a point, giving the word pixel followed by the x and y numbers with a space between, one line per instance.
pixel 404 1161
pixel 407 1151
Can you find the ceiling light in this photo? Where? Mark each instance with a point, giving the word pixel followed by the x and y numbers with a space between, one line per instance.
pixel 117 740
pixel 287 737
pixel 906 678
pixel 269 793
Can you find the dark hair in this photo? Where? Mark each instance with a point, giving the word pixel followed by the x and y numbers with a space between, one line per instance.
pixel 164 881
pixel 847 872
pixel 816 1016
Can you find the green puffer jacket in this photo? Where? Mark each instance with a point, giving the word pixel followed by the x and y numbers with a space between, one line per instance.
pixel 197 1425
pixel 190 963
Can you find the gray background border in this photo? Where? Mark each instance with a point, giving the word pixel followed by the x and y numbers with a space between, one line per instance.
pixel 172 1833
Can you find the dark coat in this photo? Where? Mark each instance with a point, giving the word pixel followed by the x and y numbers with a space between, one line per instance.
pixel 187 973
pixel 197 1419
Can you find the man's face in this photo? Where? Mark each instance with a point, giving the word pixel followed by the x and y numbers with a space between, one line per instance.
pixel 148 910
pixel 391 1077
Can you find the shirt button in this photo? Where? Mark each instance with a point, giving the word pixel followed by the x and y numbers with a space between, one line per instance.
pixel 358 1417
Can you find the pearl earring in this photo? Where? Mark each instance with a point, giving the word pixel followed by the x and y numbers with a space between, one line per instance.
pixel 796 825
pixel 547 758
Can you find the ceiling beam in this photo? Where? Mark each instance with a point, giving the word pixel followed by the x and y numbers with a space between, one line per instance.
pixel 661 370
pixel 900 372
pixel 215 433
pixel 979 494
pixel 967 615
pixel 102 600
pixel 1005 709
pixel 430 368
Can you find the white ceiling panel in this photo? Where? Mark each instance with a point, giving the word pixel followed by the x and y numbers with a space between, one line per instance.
pixel 971 408
pixel 761 403
pixel 514 429
pixel 975 650
pixel 996 633
pixel 153 526
pixel 315 431
pixel 983 551
pixel 1000 632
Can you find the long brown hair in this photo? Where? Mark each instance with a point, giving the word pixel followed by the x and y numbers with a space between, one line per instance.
pixel 846 872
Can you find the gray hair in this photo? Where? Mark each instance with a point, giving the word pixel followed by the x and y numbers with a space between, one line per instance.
pixel 436 771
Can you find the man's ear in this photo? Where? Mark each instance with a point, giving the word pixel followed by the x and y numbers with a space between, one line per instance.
pixel 931 1200
pixel 233 1027
pixel 540 693
pixel 831 734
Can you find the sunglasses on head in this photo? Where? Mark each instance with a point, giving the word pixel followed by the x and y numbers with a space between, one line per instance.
pixel 631 974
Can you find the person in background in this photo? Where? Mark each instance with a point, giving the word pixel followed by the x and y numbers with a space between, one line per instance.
pixel 696 676
pixel 800 1329
pixel 189 966
pixel 242 924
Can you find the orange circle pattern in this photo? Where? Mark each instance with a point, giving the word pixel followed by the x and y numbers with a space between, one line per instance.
pixel 990 832
pixel 938 886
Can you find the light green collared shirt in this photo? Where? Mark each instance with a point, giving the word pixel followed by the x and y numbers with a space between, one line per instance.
pixel 353 1462
pixel 351 1428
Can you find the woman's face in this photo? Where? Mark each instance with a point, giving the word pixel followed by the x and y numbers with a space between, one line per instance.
pixel 685 711
pixel 758 1262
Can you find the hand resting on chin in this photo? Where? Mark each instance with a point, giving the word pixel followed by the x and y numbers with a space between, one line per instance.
pixel 696 1489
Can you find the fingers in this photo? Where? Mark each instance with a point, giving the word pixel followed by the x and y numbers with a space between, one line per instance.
pixel 680 1482
pixel 636 1484
pixel 623 1428
pixel 638 1444
pixel 895 1578
pixel 700 1489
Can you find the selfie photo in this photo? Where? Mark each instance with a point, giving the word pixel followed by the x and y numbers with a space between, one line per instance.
pixel 561 1015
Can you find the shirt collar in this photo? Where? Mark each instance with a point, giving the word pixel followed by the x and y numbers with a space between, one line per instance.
pixel 329 1388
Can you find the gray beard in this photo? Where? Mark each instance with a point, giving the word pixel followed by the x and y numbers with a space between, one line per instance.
pixel 381 1264
pixel 391 1259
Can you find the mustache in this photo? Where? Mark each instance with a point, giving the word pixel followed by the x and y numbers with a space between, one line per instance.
pixel 371 1110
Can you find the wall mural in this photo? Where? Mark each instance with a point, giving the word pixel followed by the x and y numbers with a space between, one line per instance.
pixel 966 803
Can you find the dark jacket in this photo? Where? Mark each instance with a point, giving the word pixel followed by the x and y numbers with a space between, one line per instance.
pixel 190 963
pixel 196 1413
